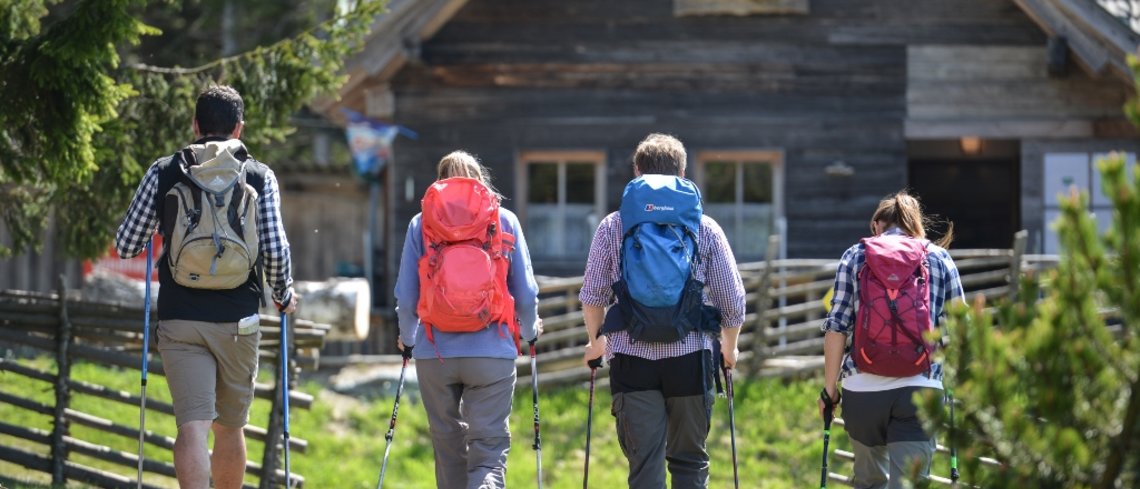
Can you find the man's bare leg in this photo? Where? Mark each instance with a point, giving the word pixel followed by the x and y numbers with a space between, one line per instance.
pixel 228 460
pixel 191 459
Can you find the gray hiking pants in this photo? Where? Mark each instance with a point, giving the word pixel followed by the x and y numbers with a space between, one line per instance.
pixel 468 404
pixel 887 438
pixel 663 409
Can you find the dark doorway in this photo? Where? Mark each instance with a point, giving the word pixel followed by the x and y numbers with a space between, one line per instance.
pixel 979 194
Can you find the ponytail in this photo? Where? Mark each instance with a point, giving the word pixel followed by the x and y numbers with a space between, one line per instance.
pixel 904 211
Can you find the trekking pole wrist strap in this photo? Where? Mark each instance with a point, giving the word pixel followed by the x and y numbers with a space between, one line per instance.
pixel 828 402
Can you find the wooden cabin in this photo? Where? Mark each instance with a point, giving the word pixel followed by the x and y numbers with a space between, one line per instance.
pixel 798 115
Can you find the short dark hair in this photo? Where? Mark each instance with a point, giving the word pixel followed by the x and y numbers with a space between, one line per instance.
pixel 660 154
pixel 219 110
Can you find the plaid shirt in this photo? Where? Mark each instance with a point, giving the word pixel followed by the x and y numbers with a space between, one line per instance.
pixel 945 284
pixel 723 287
pixel 141 223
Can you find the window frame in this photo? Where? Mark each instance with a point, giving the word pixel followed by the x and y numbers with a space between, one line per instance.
pixel 741 157
pixel 560 158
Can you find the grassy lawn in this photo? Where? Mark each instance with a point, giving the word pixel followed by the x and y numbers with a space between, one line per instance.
pixel 778 435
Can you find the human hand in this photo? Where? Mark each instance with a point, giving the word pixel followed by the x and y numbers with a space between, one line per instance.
pixel 405 350
pixel 288 303
pixel 729 354
pixel 828 399
pixel 594 351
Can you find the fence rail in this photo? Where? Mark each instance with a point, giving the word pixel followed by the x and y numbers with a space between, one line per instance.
pixel 70 330
pixel 784 307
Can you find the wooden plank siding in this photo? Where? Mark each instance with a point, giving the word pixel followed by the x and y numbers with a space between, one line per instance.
pixel 39 269
pixel 1003 92
pixel 515 75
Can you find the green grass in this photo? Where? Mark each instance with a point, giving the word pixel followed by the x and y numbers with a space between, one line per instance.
pixel 778 435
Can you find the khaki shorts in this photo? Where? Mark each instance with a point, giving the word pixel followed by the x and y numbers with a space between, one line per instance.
pixel 210 369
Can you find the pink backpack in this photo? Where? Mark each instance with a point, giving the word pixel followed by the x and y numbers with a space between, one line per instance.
pixel 894 308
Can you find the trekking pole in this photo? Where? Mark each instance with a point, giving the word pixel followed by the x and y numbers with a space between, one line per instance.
pixel 828 415
pixel 285 391
pixel 594 365
pixel 407 354
pixel 953 444
pixel 534 390
pixel 731 424
pixel 145 354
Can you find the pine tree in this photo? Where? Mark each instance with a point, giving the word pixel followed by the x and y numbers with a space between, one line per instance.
pixel 1049 384
pixel 83 113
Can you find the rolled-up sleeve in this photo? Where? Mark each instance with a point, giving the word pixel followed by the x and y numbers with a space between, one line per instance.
pixel 842 314
pixel 722 277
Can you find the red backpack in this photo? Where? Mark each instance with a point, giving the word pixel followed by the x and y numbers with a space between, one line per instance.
pixel 894 308
pixel 463 271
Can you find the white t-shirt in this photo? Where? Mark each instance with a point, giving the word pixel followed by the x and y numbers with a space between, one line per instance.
pixel 862 382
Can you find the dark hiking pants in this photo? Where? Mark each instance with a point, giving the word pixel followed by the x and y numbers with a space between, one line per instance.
pixel 663 408
pixel 887 437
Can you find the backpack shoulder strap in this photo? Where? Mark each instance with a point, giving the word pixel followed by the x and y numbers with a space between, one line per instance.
pixel 185 159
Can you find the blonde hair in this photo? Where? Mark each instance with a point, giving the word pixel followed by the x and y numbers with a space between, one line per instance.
pixel 460 163
pixel 660 154
pixel 904 210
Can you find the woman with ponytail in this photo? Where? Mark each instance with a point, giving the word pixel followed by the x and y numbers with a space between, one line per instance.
pixel 884 368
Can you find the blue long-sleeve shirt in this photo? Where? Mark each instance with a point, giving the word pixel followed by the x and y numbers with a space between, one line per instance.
pixel 491 342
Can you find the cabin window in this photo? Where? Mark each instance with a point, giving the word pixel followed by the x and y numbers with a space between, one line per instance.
pixel 1065 172
pixel 743 191
pixel 563 203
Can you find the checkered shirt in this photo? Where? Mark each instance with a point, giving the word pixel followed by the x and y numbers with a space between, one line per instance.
pixel 717 269
pixel 141 223
pixel 945 284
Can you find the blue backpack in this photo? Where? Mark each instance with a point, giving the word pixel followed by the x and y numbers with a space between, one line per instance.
pixel 659 297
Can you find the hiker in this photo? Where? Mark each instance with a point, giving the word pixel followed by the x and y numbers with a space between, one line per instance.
pixel 465 348
pixel 208 323
pixel 879 378
pixel 662 350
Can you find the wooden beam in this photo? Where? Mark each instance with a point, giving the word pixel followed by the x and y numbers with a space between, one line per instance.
pixel 1009 129
pixel 1082 28
pixel 1116 38
pixel 683 8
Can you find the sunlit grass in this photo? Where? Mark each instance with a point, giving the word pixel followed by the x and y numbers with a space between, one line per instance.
pixel 778 435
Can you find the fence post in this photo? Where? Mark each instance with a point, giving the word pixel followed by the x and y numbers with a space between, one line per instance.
pixel 62 390
pixel 1020 239
pixel 273 431
pixel 763 302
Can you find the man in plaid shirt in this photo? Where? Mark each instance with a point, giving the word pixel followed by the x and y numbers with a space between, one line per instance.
pixel 663 392
pixel 208 339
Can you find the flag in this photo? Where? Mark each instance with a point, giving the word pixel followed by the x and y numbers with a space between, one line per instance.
pixel 371 143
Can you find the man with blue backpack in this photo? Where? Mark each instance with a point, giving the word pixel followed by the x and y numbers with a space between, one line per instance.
pixel 661 290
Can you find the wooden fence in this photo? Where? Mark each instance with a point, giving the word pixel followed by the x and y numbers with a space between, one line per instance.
pixel 71 330
pixel 784 306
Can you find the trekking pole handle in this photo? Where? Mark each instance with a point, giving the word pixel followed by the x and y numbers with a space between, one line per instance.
pixel 407 352
pixel 595 363
pixel 828 406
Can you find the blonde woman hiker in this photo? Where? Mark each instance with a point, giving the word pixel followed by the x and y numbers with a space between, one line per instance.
pixel 466 296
